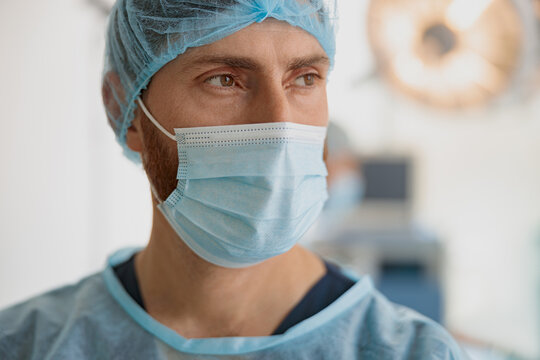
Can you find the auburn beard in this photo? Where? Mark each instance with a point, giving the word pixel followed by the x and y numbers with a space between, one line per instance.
pixel 159 161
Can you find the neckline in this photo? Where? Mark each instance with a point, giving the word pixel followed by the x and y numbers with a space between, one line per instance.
pixel 226 345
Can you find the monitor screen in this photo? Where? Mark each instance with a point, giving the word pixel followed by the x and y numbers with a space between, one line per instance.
pixel 386 179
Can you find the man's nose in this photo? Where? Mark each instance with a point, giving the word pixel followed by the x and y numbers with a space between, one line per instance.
pixel 272 103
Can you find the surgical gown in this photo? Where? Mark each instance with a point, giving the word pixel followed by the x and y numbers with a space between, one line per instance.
pixel 97 319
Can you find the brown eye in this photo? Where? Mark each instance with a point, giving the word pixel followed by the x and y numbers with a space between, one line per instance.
pixel 226 80
pixel 309 79
pixel 305 80
pixel 222 81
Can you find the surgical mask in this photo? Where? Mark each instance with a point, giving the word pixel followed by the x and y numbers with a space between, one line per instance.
pixel 245 193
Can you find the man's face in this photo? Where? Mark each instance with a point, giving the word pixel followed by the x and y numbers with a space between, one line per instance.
pixel 267 72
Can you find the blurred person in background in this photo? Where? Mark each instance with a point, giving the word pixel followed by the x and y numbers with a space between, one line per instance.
pixel 344 180
pixel 224 104
pixel 345 186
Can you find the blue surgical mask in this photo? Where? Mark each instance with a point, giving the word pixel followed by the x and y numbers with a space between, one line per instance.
pixel 245 193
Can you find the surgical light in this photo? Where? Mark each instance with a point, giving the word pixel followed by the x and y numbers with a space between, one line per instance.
pixel 451 53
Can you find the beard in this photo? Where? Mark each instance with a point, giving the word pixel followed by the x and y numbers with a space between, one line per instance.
pixel 159 160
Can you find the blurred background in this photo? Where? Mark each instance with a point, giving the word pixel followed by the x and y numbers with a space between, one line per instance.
pixel 434 159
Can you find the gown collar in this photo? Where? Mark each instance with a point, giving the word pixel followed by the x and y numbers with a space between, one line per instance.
pixel 228 345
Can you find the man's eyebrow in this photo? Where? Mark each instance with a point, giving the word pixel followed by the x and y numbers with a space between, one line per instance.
pixel 306 61
pixel 249 64
pixel 232 61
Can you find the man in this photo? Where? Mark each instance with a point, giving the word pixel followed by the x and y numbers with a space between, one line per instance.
pixel 224 102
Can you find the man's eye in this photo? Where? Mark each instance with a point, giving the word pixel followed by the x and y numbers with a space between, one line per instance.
pixel 305 80
pixel 221 81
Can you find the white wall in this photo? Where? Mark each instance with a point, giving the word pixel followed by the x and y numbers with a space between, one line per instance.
pixel 68 197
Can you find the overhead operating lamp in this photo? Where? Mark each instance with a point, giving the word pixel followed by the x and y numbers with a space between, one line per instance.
pixel 453 53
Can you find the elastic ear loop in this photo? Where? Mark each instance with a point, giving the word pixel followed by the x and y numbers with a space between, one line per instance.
pixel 154 121
pixel 155 193
pixel 162 129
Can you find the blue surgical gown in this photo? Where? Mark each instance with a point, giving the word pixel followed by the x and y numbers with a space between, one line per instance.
pixel 97 319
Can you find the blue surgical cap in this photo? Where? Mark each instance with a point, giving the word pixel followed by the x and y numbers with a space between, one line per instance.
pixel 144 35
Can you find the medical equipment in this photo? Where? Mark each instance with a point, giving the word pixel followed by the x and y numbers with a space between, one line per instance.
pixel 455 53
pixel 245 193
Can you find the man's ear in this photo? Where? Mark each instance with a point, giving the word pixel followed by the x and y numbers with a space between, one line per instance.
pixel 134 139
pixel 113 93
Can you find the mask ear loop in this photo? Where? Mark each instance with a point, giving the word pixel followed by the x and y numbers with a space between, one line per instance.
pixel 164 131
pixel 154 192
pixel 153 120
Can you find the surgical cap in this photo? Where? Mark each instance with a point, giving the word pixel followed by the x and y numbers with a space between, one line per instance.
pixel 144 35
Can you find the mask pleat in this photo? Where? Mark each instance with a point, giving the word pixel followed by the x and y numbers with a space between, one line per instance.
pixel 246 193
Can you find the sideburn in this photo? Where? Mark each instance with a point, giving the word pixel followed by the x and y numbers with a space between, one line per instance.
pixel 159 161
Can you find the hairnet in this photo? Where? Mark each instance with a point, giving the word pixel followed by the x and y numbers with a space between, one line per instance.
pixel 144 35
